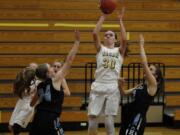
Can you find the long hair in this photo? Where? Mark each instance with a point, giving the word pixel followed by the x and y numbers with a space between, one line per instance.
pixel 23 81
pixel 117 44
pixel 160 80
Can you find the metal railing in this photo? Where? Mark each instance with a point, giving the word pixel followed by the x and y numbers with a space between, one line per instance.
pixel 133 77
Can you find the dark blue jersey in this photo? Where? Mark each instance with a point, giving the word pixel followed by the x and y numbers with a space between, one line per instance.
pixel 134 114
pixel 142 99
pixel 51 99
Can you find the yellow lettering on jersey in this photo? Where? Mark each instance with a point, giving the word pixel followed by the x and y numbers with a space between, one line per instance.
pixel 109 63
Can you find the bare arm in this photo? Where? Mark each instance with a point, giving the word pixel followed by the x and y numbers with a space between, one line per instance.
pixel 123 38
pixel 34 94
pixel 34 99
pixel 66 88
pixel 96 38
pixel 66 66
pixel 122 90
pixel 152 84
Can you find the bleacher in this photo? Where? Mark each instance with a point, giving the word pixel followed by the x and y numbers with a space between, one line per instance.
pixel 33 31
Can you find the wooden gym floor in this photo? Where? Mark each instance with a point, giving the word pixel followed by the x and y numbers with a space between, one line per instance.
pixel 148 131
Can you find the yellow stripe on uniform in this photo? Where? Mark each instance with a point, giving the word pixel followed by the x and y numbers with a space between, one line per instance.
pixel 24 24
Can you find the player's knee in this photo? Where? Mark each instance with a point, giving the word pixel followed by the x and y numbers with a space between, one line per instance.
pixel 93 124
pixel 109 123
pixel 92 129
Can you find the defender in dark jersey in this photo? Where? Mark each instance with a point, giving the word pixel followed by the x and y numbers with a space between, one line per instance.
pixel 57 65
pixel 50 96
pixel 134 120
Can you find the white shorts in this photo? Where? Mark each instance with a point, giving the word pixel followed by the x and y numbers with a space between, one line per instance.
pixel 104 99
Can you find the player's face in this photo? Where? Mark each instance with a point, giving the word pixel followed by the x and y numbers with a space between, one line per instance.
pixel 109 38
pixel 50 71
pixel 56 66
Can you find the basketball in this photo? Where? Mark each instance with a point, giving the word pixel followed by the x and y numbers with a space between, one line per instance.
pixel 108 6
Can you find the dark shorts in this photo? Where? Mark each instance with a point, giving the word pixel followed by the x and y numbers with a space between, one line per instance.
pixel 46 123
pixel 133 123
pixel 17 129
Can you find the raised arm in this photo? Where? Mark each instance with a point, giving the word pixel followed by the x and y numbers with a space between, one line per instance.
pixel 34 94
pixel 123 38
pixel 66 66
pixel 96 38
pixel 66 88
pixel 34 99
pixel 151 80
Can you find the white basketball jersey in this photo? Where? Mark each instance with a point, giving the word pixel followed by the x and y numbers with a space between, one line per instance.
pixel 109 63
pixel 22 113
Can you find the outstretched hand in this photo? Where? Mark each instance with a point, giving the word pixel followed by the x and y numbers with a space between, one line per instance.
pixel 77 35
pixel 121 14
pixel 121 82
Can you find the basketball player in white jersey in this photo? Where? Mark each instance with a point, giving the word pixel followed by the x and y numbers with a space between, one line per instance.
pixel 104 95
pixel 24 87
